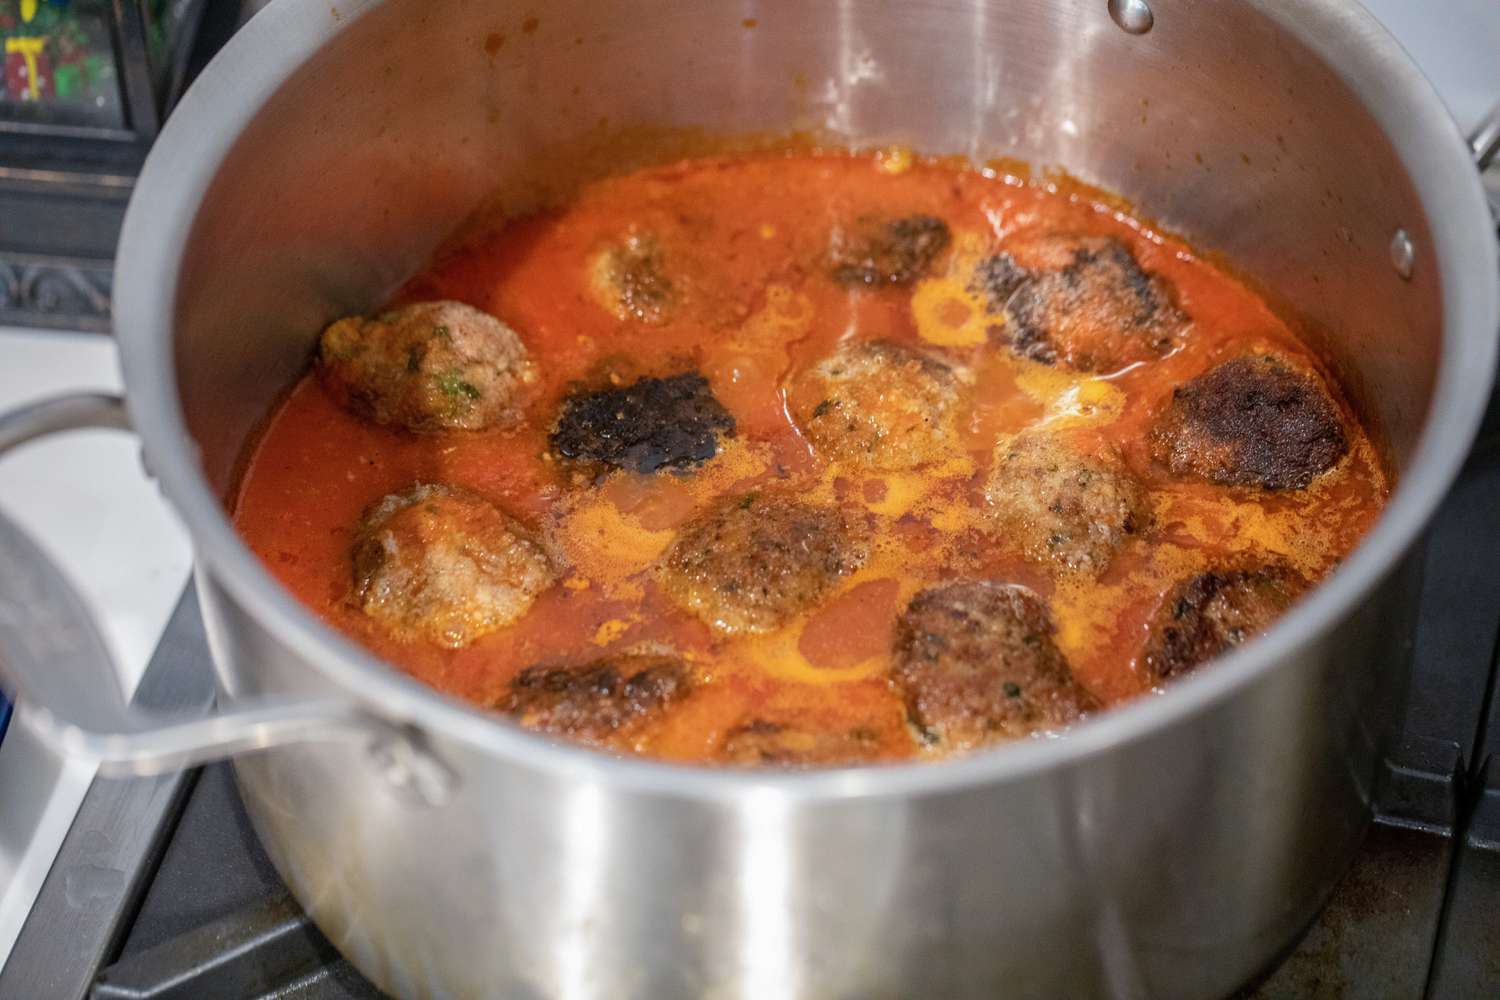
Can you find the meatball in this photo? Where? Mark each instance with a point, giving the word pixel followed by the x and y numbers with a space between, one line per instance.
pixel 763 743
pixel 976 664
pixel 890 252
pixel 651 424
pixel 628 279
pixel 610 697
pixel 880 406
pixel 1061 505
pixel 1251 421
pixel 445 564
pixel 1083 302
pixel 751 563
pixel 431 366
pixel 1211 613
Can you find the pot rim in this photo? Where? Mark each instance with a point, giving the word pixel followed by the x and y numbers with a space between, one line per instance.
pixel 236 85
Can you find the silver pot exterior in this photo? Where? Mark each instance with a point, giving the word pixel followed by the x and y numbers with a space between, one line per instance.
pixel 1176 865
pixel 1169 849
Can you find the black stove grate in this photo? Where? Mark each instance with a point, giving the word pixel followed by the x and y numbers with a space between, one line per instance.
pixel 218 922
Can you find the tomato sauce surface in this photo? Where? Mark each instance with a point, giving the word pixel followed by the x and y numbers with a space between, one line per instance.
pixel 749 237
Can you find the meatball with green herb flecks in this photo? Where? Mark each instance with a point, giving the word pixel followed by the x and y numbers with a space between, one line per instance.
pixel 976 663
pixel 751 563
pixel 1081 302
pixel 443 563
pixel 605 699
pixel 430 366
pixel 880 406
pixel 1210 613
pixel 1062 505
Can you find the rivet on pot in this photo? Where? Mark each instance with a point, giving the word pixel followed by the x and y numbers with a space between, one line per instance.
pixel 1403 254
pixel 1133 16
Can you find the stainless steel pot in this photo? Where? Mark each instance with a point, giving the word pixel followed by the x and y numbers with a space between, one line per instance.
pixel 1168 849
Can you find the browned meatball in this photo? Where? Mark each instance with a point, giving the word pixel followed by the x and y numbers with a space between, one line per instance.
pixel 1062 505
pixel 880 406
pixel 431 366
pixel 1080 301
pixel 976 664
pixel 445 564
pixel 629 279
pixel 651 424
pixel 763 743
pixel 1210 613
pixel 888 252
pixel 608 698
pixel 1252 421
pixel 751 563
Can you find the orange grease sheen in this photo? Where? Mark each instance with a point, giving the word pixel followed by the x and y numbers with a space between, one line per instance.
pixel 853 627
pixel 747 238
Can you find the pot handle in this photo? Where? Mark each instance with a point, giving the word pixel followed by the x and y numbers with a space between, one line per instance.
pixel 1484 141
pixel 54 659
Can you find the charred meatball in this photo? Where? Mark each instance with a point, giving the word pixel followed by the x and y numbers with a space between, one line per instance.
pixel 763 743
pixel 1083 302
pixel 431 366
pixel 629 279
pixel 651 424
pixel 445 564
pixel 751 563
pixel 1062 505
pixel 1208 614
pixel 976 664
pixel 608 698
pixel 891 251
pixel 880 406
pixel 1252 421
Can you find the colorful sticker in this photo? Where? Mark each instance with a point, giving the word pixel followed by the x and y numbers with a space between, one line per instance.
pixel 59 63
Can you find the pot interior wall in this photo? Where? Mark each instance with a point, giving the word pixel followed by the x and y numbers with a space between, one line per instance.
pixel 1218 122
